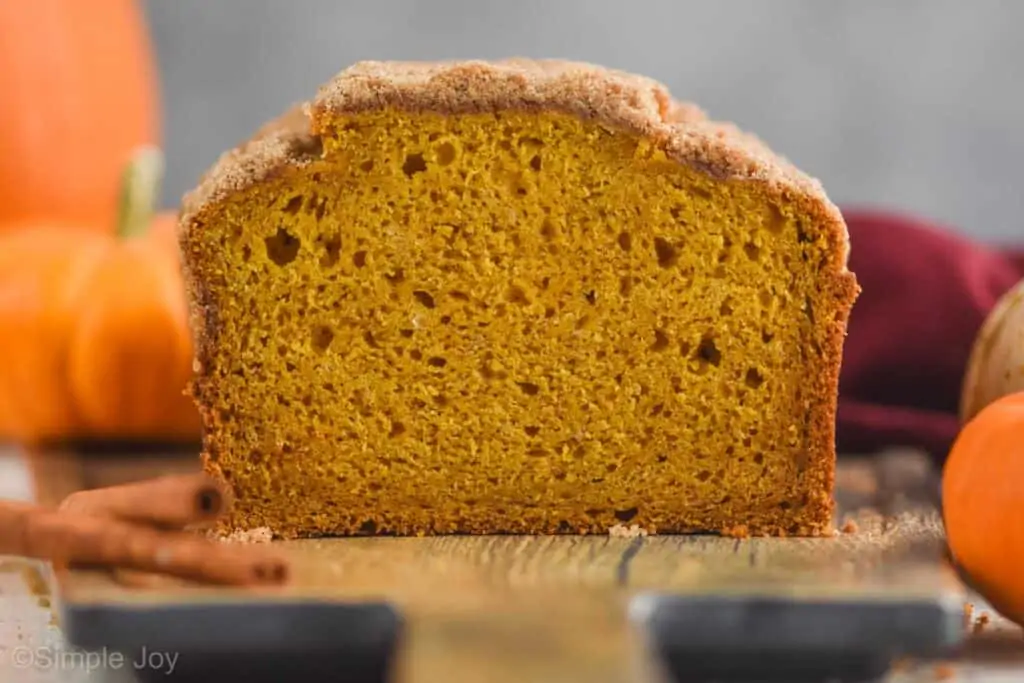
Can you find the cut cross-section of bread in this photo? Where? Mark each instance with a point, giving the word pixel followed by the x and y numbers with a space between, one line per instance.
pixel 529 297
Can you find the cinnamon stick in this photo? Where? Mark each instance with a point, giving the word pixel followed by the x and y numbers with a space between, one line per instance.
pixel 174 501
pixel 65 538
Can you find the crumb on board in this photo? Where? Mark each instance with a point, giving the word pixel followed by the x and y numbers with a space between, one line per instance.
pixel 940 671
pixel 981 622
pixel 850 526
pixel 741 531
pixel 261 534
pixel 620 531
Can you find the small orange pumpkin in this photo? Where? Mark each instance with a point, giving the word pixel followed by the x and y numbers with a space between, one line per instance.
pixel 79 94
pixel 94 328
pixel 983 503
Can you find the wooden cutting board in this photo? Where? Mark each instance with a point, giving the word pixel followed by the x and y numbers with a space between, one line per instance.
pixel 562 608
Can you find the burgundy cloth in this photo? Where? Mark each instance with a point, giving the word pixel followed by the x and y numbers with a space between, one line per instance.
pixel 925 294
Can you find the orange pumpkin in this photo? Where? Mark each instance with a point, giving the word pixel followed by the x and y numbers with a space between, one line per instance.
pixel 983 503
pixel 93 327
pixel 79 93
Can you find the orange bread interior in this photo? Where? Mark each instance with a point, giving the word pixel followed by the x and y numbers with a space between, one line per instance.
pixel 496 319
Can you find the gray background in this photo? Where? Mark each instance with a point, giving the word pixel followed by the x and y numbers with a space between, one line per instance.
pixel 912 105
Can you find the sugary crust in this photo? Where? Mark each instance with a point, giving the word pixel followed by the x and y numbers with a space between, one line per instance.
pixel 613 99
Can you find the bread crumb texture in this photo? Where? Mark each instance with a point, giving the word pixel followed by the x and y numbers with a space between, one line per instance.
pixel 522 297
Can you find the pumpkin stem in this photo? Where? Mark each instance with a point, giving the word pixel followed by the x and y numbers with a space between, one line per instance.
pixel 139 187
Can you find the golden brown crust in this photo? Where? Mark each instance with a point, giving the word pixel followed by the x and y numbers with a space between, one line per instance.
pixel 611 98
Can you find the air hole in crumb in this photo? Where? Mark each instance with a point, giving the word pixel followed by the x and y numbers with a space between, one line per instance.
pixel 369 527
pixel 437 361
pixel 754 379
pixel 766 336
pixel 667 254
pixel 414 164
pixel 627 514
pixel 332 252
pixel 246 252
pixel 395 278
pixel 529 388
pixel 537 453
pixel 294 205
pixel 446 319
pixel 531 430
pixel 424 298
pixel 440 401
pixel 660 341
pixel 416 354
pixel 370 340
pixel 516 295
pixel 726 308
pixel 707 352
pixel 282 247
pixel 548 230
pixel 809 309
pixel 322 338
pixel 765 298
pixel 758 459
pixel 459 296
pixel 445 153
pixel 625 241
pixel 359 259
pixel 591 297
pixel 752 251
pixel 802 236
pixel 549 312
pixel 611 467
pixel 775 221
pixel 656 410
pixel 397 429
pixel 366 166
pixel 535 162
pixel 625 285
pixel 406 332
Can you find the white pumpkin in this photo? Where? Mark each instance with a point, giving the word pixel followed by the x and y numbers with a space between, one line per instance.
pixel 996 364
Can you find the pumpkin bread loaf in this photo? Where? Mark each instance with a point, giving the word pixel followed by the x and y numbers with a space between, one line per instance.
pixel 520 296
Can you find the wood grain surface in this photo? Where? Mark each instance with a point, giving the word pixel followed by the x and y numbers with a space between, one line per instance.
pixel 522 608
